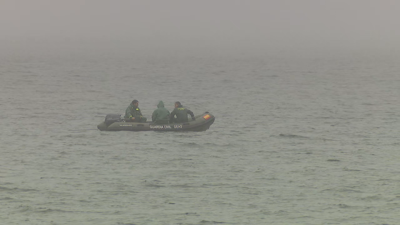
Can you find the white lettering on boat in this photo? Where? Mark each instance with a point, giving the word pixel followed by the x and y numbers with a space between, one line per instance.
pixel 165 126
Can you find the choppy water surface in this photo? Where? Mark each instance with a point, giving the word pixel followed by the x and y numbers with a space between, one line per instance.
pixel 297 140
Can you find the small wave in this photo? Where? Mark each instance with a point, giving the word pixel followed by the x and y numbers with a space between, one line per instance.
pixel 350 170
pixel 192 145
pixel 47 210
pixel 345 206
pixel 182 186
pixel 292 136
pixel 210 222
pixel 333 160
pixel 348 190
pixel 5 189
pixel 153 184
pixel 372 198
pixel 17 189
pixel 220 145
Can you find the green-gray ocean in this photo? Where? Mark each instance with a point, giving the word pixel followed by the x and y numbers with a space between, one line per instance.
pixel 298 138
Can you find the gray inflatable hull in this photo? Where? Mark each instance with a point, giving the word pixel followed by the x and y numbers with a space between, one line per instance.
pixel 202 123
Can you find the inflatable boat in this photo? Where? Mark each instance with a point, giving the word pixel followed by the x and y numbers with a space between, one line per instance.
pixel 114 122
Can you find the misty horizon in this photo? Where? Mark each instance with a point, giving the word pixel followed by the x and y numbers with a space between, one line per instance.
pixel 258 25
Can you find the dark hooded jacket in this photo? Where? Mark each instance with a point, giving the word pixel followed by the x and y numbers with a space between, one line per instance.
pixel 161 114
pixel 181 115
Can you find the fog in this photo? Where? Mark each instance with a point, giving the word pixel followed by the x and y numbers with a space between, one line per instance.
pixel 229 24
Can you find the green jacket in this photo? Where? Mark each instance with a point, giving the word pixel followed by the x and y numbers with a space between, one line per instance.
pixel 161 114
pixel 181 115
pixel 133 111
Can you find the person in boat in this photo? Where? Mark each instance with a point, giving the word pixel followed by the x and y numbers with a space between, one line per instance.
pixel 133 114
pixel 181 114
pixel 161 114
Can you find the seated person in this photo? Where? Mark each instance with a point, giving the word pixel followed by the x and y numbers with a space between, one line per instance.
pixel 133 114
pixel 181 114
pixel 161 114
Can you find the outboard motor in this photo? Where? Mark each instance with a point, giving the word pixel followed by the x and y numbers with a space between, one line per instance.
pixel 112 118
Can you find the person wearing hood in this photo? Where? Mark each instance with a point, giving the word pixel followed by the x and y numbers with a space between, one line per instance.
pixel 161 114
pixel 133 114
pixel 181 114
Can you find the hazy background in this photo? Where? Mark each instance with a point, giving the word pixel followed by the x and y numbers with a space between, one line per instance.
pixel 226 24
pixel 305 95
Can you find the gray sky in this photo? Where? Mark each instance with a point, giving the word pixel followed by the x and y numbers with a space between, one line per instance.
pixel 263 23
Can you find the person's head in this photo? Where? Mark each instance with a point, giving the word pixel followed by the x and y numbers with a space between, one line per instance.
pixel 178 104
pixel 160 104
pixel 135 103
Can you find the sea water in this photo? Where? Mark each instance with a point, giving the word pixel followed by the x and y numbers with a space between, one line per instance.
pixel 298 139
